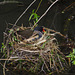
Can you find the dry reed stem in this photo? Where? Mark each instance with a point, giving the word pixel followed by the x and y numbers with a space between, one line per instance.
pixel 48 50
pixel 45 12
pixel 25 11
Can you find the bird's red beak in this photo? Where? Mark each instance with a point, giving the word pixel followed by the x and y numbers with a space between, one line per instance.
pixel 43 30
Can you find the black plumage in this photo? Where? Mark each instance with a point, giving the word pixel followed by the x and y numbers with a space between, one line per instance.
pixel 28 32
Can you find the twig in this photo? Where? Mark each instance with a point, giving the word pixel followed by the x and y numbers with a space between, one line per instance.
pixel 55 32
pixel 48 54
pixel 50 59
pixel 38 6
pixel 7 69
pixel 31 38
pixel 3 66
pixel 50 1
pixel 24 12
pixel 45 12
pixel 42 41
pixel 68 6
pixel 46 66
pixel 32 51
pixel 59 61
pixel 5 2
pixel 42 70
pixel 11 59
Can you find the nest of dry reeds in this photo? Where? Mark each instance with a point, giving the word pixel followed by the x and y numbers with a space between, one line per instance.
pixel 40 55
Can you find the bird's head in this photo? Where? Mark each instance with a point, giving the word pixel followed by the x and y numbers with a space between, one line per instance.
pixel 41 29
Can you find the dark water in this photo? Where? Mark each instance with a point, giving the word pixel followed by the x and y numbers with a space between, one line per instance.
pixel 53 19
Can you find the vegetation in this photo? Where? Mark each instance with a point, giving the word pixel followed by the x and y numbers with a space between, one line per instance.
pixel 72 56
pixel 34 15
pixel 43 55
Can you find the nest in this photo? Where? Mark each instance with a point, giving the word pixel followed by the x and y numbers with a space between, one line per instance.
pixel 39 55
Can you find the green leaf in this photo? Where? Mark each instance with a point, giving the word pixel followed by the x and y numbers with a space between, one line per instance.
pixel 31 16
pixel 43 44
pixel 34 22
pixel 72 56
pixel 17 29
pixel 35 17
pixel 1 49
pixel 71 59
pixel 10 43
pixel 33 10
pixel 73 62
pixel 11 30
pixel 68 56
pixel 74 50
pixel 3 46
pixel 69 19
pixel 11 52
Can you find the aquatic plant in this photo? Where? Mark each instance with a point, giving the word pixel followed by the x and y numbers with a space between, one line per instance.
pixel 34 16
pixel 72 56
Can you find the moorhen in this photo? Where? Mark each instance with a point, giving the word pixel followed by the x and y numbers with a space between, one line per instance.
pixel 27 33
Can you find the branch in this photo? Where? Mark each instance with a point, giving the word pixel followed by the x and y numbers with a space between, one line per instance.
pixel 45 12
pixel 6 2
pixel 32 51
pixel 24 11
pixel 50 1
pixel 42 41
